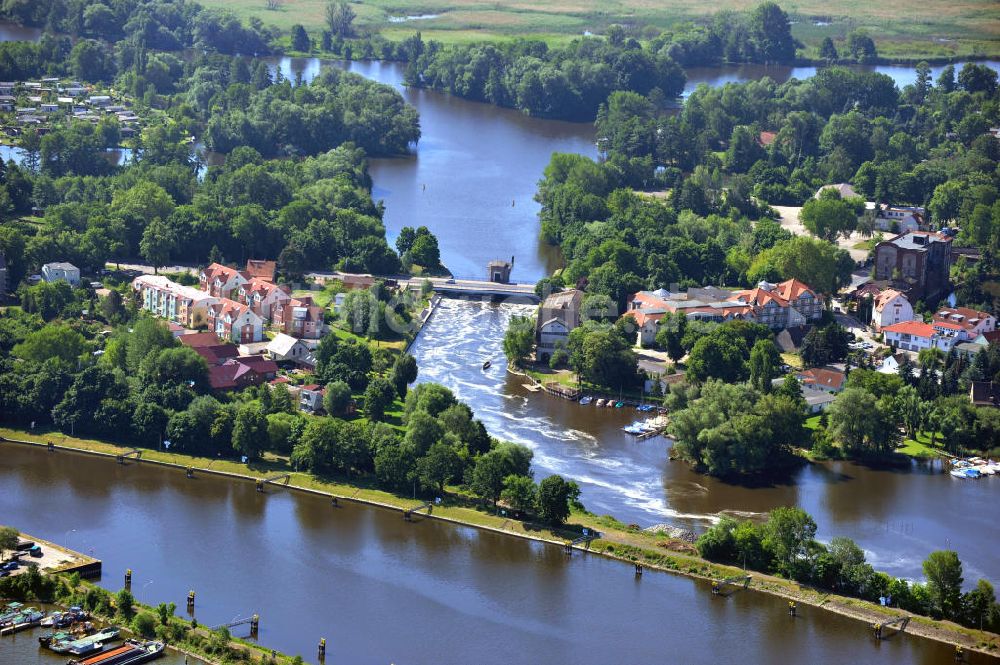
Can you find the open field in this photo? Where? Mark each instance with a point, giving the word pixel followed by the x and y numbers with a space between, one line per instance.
pixel 902 28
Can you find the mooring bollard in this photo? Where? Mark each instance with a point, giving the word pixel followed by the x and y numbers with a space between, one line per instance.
pixel 638 570
pixel 190 602
pixel 791 608
pixel 128 579
pixel 51 447
pixel 333 501
pixel 322 649
pixel 254 625
pixel 260 485
pixel 959 653
pixel 715 588
pixel 877 631
pixel 189 472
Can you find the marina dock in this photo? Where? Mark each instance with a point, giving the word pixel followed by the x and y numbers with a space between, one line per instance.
pixel 58 559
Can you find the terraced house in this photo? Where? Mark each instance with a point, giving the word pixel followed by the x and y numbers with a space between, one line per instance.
pixel 184 305
pixel 235 321
pixel 221 281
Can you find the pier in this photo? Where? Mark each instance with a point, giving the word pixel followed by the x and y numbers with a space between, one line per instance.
pixel 584 539
pixel 59 559
pixel 426 505
pixel 273 480
pixel 134 453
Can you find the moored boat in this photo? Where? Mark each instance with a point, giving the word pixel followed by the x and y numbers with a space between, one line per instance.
pixel 85 644
pixel 58 636
pixel 586 400
pixel 132 652
pixel 600 402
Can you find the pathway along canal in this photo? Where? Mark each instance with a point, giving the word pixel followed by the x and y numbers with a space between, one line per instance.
pixel 382 590
pixel 897 515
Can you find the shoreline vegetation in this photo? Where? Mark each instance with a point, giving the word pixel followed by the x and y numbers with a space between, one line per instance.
pixel 616 541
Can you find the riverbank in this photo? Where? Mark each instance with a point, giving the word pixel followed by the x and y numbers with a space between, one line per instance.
pixel 616 541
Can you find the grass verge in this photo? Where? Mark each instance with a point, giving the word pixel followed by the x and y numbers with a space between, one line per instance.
pixel 616 540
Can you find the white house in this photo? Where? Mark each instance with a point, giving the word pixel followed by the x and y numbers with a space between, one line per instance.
pixel 235 322
pixel 898 219
pixel 890 307
pixel 61 270
pixel 917 335
pixel 286 347
pixel 972 323
pixel 552 334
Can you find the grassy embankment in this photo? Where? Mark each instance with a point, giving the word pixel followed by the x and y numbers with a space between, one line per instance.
pixel 617 540
pixel 903 29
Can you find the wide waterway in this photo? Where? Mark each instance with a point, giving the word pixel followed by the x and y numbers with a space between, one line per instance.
pixel 382 590
pixel 898 515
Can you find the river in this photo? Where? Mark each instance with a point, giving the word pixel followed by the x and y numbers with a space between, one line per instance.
pixel 897 515
pixel 381 590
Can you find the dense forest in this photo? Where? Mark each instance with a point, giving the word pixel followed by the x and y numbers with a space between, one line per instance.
pixel 927 145
pixel 166 25
pixel 313 212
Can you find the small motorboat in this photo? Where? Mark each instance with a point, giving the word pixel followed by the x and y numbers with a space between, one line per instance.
pixel 586 400
pixel 965 473
pixel 600 402
pixel 619 405
pixel 48 638
pixel 609 403
pixel 51 620
pixel 487 364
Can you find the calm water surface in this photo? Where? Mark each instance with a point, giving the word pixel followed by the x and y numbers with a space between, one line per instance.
pixel 898 516
pixel 382 590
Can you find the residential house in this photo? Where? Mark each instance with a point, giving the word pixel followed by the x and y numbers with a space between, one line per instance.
pixel 235 321
pixel 175 302
pixel 824 379
pixel 919 261
pixel 845 190
pixel 210 347
pixel 790 304
pixel 985 393
pixel 784 305
pixel 239 373
pixel 311 398
pixel 890 364
pixel 992 337
pixel 61 270
pixel 890 307
pixel 972 323
pixel 260 269
pixel 287 348
pixel 557 316
pixel 99 100
pixel 968 350
pixel 221 281
pixel 299 317
pixel 818 400
pixel 263 297
pixel 917 335
pixel 898 219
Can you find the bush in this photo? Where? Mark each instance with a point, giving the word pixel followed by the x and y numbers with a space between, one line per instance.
pixel 144 623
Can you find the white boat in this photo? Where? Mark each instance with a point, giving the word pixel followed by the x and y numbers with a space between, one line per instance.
pixel 965 474
pixel 600 402
pixel 586 400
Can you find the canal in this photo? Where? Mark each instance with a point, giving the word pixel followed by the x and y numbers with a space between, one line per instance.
pixel 382 590
pixel 897 515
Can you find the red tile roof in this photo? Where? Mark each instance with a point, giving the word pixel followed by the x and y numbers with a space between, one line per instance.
pixel 225 273
pixel 823 377
pixel 915 328
pixel 965 318
pixel 195 340
pixel 260 269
